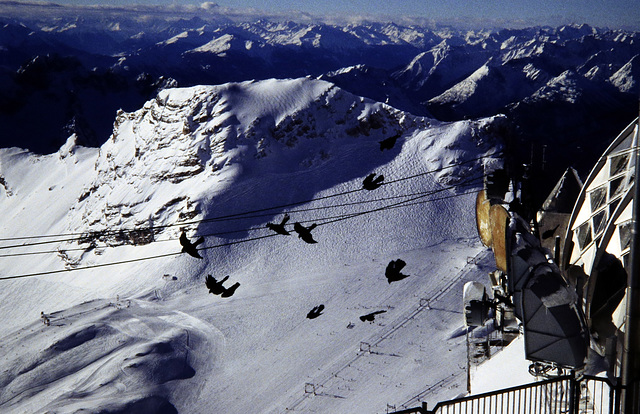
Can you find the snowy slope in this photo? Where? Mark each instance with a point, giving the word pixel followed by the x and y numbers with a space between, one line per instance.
pixel 206 152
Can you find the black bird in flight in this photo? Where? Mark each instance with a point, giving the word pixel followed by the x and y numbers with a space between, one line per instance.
pixel 370 183
pixel 548 233
pixel 279 228
pixel 315 312
pixel 305 232
pixel 371 316
pixel 230 291
pixel 393 271
pixel 190 248
pixel 215 286
pixel 388 143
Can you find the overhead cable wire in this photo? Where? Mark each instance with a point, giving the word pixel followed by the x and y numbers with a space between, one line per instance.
pixel 97 233
pixel 140 259
pixel 244 230
pixel 397 204
pixel 330 220
pixel 282 206
pixel 429 192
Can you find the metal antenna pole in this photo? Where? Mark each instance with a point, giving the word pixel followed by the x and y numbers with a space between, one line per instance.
pixel 630 364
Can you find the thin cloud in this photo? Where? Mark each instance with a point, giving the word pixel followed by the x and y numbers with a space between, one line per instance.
pixel 42 11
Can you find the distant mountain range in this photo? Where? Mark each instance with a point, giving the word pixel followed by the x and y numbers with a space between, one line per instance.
pixel 566 90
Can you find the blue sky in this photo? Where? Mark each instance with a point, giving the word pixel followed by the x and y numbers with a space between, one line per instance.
pixel 610 13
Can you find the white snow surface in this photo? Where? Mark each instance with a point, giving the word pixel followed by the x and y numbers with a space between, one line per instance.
pixel 146 335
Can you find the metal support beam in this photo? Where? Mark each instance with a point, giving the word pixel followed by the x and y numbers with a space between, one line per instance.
pixel 630 364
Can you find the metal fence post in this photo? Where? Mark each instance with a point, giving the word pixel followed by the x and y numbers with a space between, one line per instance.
pixel 574 394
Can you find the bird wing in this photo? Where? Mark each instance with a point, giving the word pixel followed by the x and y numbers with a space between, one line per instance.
pixel 230 291
pixel 396 277
pixel 391 270
pixel 307 237
pixel 199 241
pixel 210 281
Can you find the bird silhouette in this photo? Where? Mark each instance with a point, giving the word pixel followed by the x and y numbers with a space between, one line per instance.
pixel 388 143
pixel 279 228
pixel 305 232
pixel 370 183
pixel 315 312
pixel 230 291
pixel 215 286
pixel 371 316
pixel 548 233
pixel 392 272
pixel 190 248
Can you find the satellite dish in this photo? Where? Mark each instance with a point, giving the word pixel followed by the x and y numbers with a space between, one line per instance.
pixel 483 222
pixel 499 218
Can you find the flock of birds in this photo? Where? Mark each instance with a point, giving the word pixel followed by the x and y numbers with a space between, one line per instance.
pixel 392 272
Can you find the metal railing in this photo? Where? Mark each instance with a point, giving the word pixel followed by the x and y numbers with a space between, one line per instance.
pixel 560 395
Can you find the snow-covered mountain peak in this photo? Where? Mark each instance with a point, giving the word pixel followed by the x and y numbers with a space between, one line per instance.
pixel 563 87
pixel 625 79
pixel 576 30
pixel 189 144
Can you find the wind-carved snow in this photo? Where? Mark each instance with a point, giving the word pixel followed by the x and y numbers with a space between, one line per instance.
pixel 122 354
pixel 210 151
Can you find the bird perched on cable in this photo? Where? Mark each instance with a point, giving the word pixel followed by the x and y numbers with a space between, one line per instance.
pixel 190 248
pixel 305 232
pixel 279 228
pixel 231 290
pixel 392 272
pixel 215 286
pixel 371 316
pixel 371 182
pixel 388 143
pixel 315 312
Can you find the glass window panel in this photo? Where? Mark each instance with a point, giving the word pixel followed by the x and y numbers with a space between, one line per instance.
pixel 625 234
pixel 613 205
pixel 615 187
pixel 598 197
pixel 600 221
pixel 618 164
pixel 584 235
